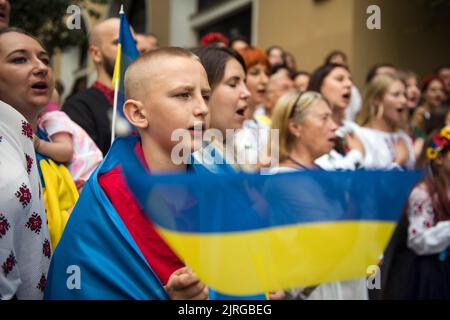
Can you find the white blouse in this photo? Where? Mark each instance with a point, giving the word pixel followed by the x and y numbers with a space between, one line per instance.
pixel 380 150
pixel 336 161
pixel 25 249
pixel 251 141
pixel 424 235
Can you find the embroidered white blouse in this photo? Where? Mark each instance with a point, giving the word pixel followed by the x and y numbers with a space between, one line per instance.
pixel 25 248
pixel 424 235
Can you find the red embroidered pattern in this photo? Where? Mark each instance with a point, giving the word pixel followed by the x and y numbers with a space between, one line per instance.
pixel 46 249
pixel 4 225
pixel 29 162
pixel 24 195
pixel 34 223
pixel 27 130
pixel 42 283
pixel 9 264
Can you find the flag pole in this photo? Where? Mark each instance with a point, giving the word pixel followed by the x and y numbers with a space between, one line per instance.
pixel 116 88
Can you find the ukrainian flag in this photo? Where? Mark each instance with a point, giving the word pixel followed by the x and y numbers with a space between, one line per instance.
pixel 127 52
pixel 244 234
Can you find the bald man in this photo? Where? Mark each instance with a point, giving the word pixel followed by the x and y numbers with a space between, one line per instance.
pixel 5 11
pixel 92 109
pixel 146 42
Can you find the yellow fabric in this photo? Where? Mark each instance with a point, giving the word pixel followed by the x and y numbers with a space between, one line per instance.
pixel 264 119
pixel 319 253
pixel 116 74
pixel 60 196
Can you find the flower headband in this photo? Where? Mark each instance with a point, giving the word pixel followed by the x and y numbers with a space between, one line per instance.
pixel 439 142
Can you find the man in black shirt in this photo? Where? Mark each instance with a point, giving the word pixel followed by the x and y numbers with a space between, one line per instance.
pixel 92 108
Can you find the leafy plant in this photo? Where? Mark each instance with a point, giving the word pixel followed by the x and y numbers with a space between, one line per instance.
pixel 46 19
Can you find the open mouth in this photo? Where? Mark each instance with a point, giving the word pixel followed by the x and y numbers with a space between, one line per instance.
pixel 347 96
pixel 41 85
pixel 198 127
pixel 400 110
pixel 261 91
pixel 332 140
pixel 241 111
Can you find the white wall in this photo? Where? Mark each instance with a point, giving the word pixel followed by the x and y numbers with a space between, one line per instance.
pixel 181 32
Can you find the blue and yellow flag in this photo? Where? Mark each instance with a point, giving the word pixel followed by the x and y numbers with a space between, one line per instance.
pixel 96 257
pixel 244 234
pixel 127 52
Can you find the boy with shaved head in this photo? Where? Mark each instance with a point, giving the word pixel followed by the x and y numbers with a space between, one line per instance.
pixel 109 250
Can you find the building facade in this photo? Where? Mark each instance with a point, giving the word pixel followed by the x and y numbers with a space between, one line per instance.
pixel 309 29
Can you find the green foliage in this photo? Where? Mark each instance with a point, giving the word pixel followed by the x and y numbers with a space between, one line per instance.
pixel 46 19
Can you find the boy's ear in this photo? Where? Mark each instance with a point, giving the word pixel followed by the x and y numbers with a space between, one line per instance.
pixel 135 113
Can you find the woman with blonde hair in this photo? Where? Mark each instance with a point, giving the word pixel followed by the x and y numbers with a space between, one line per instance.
pixel 306 129
pixel 382 120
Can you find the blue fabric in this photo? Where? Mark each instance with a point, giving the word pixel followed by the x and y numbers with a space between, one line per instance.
pixel 92 240
pixel 129 53
pixel 96 240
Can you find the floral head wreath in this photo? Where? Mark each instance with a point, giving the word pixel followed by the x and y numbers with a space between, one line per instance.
pixel 439 142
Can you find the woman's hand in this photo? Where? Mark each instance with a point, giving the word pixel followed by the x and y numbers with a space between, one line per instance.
pixel 277 295
pixel 354 143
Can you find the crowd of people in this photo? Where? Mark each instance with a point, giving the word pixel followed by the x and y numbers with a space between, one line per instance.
pixel 53 157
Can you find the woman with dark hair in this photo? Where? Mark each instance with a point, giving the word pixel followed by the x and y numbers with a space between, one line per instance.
pixel 428 213
pixel 226 71
pixel 239 43
pixel 301 80
pixel 276 55
pixel 228 104
pixel 59 190
pixel 25 247
pixel 334 82
pixel 336 57
pixel 433 95
pixel 380 68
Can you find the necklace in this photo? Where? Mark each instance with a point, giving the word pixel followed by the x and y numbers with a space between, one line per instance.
pixel 298 163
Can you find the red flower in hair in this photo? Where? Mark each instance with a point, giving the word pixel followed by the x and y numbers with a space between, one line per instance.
pixel 213 37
